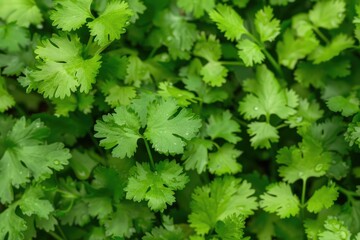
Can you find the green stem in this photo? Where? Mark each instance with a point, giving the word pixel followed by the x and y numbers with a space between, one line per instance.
pixel 269 57
pixel 152 165
pixel 241 122
pixel 281 125
pixel 321 35
pixel 232 63
pixel 61 232
pixel 349 194
pixel 302 203
pixel 55 236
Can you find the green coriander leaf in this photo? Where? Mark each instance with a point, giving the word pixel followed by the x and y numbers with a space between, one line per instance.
pixel 138 72
pixel 103 181
pixel 279 199
pixel 352 134
pixel 13 38
pixel 26 155
pixel 184 98
pixel 307 114
pixel 224 160
pixel 119 130
pixel 214 73
pixel 176 33
pixel 141 105
pixel 334 229
pixel 71 14
pixel 111 23
pixel 266 97
pixel 208 48
pixel 117 95
pixel 232 227
pixel 32 203
pixel 223 126
pixel 197 8
pixel 337 45
pixel 158 186
pixel 11 225
pixel 6 100
pixel 293 48
pixel 22 12
pixel 328 14
pixel 82 102
pixel 228 21
pixel 266 25
pixel 167 128
pixel 250 52
pixel 82 163
pixel 317 74
pixel 309 160
pixel 323 198
pixel 218 200
pixel 262 134
pixel 137 7
pixel 196 154
pixel 168 230
pixel 347 106
pixel 62 69
pixel 127 217
pixel 329 134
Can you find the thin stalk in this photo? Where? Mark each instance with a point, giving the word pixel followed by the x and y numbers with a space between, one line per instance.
pixel 302 203
pixel 61 232
pixel 269 57
pixel 232 63
pixel 55 236
pixel 321 35
pixel 151 160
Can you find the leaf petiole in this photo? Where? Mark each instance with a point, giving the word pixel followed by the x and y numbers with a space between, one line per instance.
pixel 151 160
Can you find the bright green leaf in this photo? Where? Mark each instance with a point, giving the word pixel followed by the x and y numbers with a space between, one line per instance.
pixel 218 200
pixel 266 25
pixel 328 14
pixel 223 161
pixel 167 128
pixel 214 74
pixel 156 187
pixel 71 14
pixel 347 106
pixel 250 52
pixel 223 126
pixel 196 154
pixel 228 21
pixel 279 199
pixel 337 45
pixel 266 97
pixel 293 48
pixel 119 130
pixel 111 23
pixel 308 160
pixel 262 134
pixel 23 12
pixel 323 198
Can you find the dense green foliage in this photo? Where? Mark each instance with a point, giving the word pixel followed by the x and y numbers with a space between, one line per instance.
pixel 179 119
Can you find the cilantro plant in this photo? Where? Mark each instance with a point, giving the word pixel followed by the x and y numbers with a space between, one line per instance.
pixel 179 119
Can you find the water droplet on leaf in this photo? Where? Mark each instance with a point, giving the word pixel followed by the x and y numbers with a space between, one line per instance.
pixel 256 108
pixel 301 174
pixel 56 162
